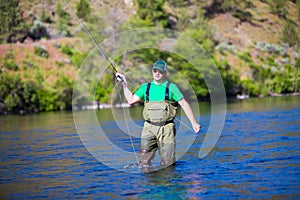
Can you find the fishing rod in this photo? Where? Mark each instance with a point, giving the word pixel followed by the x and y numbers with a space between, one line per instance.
pixel 101 50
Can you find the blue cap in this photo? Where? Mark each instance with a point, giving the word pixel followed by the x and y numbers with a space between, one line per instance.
pixel 161 65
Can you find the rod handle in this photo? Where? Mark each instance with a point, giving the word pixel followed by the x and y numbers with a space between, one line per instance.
pixel 119 78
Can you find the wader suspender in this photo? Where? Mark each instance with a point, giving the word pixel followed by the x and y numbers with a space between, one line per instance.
pixel 166 94
pixel 166 99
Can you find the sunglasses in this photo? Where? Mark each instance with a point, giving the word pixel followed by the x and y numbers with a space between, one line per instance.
pixel 157 70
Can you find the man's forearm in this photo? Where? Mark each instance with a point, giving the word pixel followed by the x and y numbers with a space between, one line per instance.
pixel 131 98
pixel 188 111
pixel 127 93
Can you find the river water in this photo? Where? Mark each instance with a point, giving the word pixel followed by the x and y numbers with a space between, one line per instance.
pixel 256 156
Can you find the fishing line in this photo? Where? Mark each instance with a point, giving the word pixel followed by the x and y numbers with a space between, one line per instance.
pixel 197 137
pixel 196 141
pixel 127 127
pixel 112 64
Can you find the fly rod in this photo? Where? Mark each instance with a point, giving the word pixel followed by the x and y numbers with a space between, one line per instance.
pixel 101 50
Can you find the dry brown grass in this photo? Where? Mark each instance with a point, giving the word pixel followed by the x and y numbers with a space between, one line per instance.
pixel 263 27
pixel 48 67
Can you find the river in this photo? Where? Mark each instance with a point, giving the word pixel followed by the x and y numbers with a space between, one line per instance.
pixel 256 156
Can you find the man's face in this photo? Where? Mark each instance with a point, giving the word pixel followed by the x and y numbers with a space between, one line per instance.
pixel 158 75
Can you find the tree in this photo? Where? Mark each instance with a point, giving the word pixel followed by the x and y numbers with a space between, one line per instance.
pixel 151 14
pixel 278 7
pixel 12 26
pixel 17 96
pixel 63 19
pixel 83 9
pixel 290 35
pixel 298 9
pixel 237 8
pixel 64 88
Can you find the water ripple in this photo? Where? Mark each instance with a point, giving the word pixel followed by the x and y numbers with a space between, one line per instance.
pixel 257 156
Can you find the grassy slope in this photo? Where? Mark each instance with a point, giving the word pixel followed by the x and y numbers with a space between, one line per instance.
pixel 264 27
pixel 29 63
pixel 58 63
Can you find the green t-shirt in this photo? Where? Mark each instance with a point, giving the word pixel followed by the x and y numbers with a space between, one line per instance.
pixel 157 92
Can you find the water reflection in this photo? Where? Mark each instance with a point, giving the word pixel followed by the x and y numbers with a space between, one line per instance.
pixel 262 104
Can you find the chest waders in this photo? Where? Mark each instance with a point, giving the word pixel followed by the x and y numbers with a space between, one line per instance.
pixel 159 130
pixel 159 112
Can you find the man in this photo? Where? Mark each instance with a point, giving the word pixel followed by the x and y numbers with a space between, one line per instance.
pixel 160 100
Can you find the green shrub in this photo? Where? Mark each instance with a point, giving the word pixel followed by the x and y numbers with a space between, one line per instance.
pixel 83 9
pixel 67 50
pixel 246 57
pixel 278 7
pixel 250 87
pixel 59 64
pixel 13 26
pixel 290 34
pixel 28 63
pixel 48 99
pixel 18 96
pixel 45 18
pixel 38 77
pixel 41 51
pixel 298 9
pixel 38 30
pixel 63 19
pixel 11 65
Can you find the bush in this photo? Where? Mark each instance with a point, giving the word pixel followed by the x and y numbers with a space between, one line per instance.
pixel 9 61
pixel 63 20
pixel 77 57
pixel 67 50
pixel 11 65
pixel 38 30
pixel 48 99
pixel 150 14
pixel 290 35
pixel 246 57
pixel 83 9
pixel 17 96
pixel 278 7
pixel 64 90
pixel 29 63
pixel 45 18
pixel 13 27
pixel 250 87
pixel 41 51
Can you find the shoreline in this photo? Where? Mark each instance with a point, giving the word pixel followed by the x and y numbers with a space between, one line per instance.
pixel 99 106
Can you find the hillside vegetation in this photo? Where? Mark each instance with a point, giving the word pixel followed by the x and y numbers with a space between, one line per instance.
pixel 254 43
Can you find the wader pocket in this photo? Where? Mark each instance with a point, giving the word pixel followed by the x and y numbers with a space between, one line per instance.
pixel 158 112
pixel 155 112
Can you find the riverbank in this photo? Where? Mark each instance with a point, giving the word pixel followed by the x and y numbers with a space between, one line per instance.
pixel 99 106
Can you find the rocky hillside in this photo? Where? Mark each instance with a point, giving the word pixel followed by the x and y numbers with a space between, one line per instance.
pixel 261 36
pixel 254 43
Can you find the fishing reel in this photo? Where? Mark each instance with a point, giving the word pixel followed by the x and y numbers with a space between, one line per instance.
pixel 119 78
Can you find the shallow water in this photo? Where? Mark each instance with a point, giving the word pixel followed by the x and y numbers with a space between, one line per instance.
pixel 257 156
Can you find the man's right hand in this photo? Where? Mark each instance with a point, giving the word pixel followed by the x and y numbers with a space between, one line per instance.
pixel 121 78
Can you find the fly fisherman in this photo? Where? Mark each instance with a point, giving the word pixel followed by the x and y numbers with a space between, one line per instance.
pixel 160 104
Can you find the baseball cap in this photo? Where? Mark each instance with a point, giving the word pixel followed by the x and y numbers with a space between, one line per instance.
pixel 161 65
